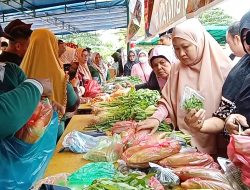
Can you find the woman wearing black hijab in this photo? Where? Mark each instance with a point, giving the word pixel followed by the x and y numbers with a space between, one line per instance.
pixel 131 61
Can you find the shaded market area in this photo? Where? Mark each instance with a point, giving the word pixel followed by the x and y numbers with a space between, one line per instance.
pixel 124 95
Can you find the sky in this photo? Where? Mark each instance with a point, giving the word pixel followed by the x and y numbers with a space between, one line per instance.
pixel 235 8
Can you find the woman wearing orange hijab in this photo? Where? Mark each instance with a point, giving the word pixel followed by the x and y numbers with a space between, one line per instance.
pixel 203 67
pixel 41 61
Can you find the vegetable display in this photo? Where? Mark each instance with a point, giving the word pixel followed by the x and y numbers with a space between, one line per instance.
pixel 136 105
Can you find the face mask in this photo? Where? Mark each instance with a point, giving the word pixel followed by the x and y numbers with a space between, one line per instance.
pixel 143 59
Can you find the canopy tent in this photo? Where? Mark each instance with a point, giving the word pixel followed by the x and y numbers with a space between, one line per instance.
pixel 66 16
pixel 218 33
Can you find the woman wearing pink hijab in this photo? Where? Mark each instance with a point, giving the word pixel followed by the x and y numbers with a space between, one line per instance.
pixel 202 67
pixel 161 58
pixel 142 69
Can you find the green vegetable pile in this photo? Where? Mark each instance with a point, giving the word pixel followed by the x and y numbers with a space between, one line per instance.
pixel 123 81
pixel 132 181
pixel 193 103
pixel 131 79
pixel 136 105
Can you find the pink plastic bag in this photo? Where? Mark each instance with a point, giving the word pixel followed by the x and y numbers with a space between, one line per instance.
pixel 34 129
pixel 92 88
pixel 238 152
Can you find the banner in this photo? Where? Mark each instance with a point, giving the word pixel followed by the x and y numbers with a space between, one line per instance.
pixel 135 21
pixel 148 8
pixel 195 7
pixel 168 13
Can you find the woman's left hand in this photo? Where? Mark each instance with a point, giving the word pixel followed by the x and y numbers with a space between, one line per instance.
pixel 233 122
pixel 58 107
pixel 195 119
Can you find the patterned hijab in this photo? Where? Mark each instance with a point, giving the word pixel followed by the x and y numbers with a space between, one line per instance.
pixel 101 68
pixel 83 67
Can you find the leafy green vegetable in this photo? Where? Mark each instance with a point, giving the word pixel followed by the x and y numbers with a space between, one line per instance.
pixel 193 103
pixel 136 105
pixel 132 181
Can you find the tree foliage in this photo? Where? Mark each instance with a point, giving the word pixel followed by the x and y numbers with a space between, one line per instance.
pixel 97 44
pixel 216 17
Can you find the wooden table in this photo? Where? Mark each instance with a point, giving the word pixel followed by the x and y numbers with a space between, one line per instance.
pixel 67 161
pixel 84 109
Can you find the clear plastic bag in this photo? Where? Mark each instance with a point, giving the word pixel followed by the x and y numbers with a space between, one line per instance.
pixel 58 179
pixel 37 124
pixel 144 153
pixel 109 149
pixel 186 173
pixel 232 173
pixel 187 159
pixel 197 183
pixel 191 99
pixel 165 175
pixel 78 142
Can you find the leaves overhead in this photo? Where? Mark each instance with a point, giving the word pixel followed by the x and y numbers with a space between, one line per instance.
pixel 216 17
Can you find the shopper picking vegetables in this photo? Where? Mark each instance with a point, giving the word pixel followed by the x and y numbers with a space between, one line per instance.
pixel 202 67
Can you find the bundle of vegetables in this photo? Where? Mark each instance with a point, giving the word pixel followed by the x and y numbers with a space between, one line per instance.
pixel 132 181
pixel 120 83
pixel 136 105
pixel 193 103
pixel 124 80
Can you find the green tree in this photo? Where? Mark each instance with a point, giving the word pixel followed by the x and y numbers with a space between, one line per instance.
pixel 84 39
pixel 94 41
pixel 216 17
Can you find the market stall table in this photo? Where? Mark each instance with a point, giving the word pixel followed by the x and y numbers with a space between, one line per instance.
pixel 84 109
pixel 68 161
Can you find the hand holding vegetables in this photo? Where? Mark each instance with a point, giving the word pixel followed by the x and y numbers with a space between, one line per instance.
pixel 195 119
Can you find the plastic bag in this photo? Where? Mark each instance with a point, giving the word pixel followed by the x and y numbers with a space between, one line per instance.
pixel 35 127
pixel 165 175
pixel 109 149
pixel 22 164
pixel 191 100
pixel 232 173
pixel 58 179
pixel 203 173
pixel 90 172
pixel 187 159
pixel 144 153
pixel 92 88
pixel 155 184
pixel 238 151
pixel 78 142
pixel 197 183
